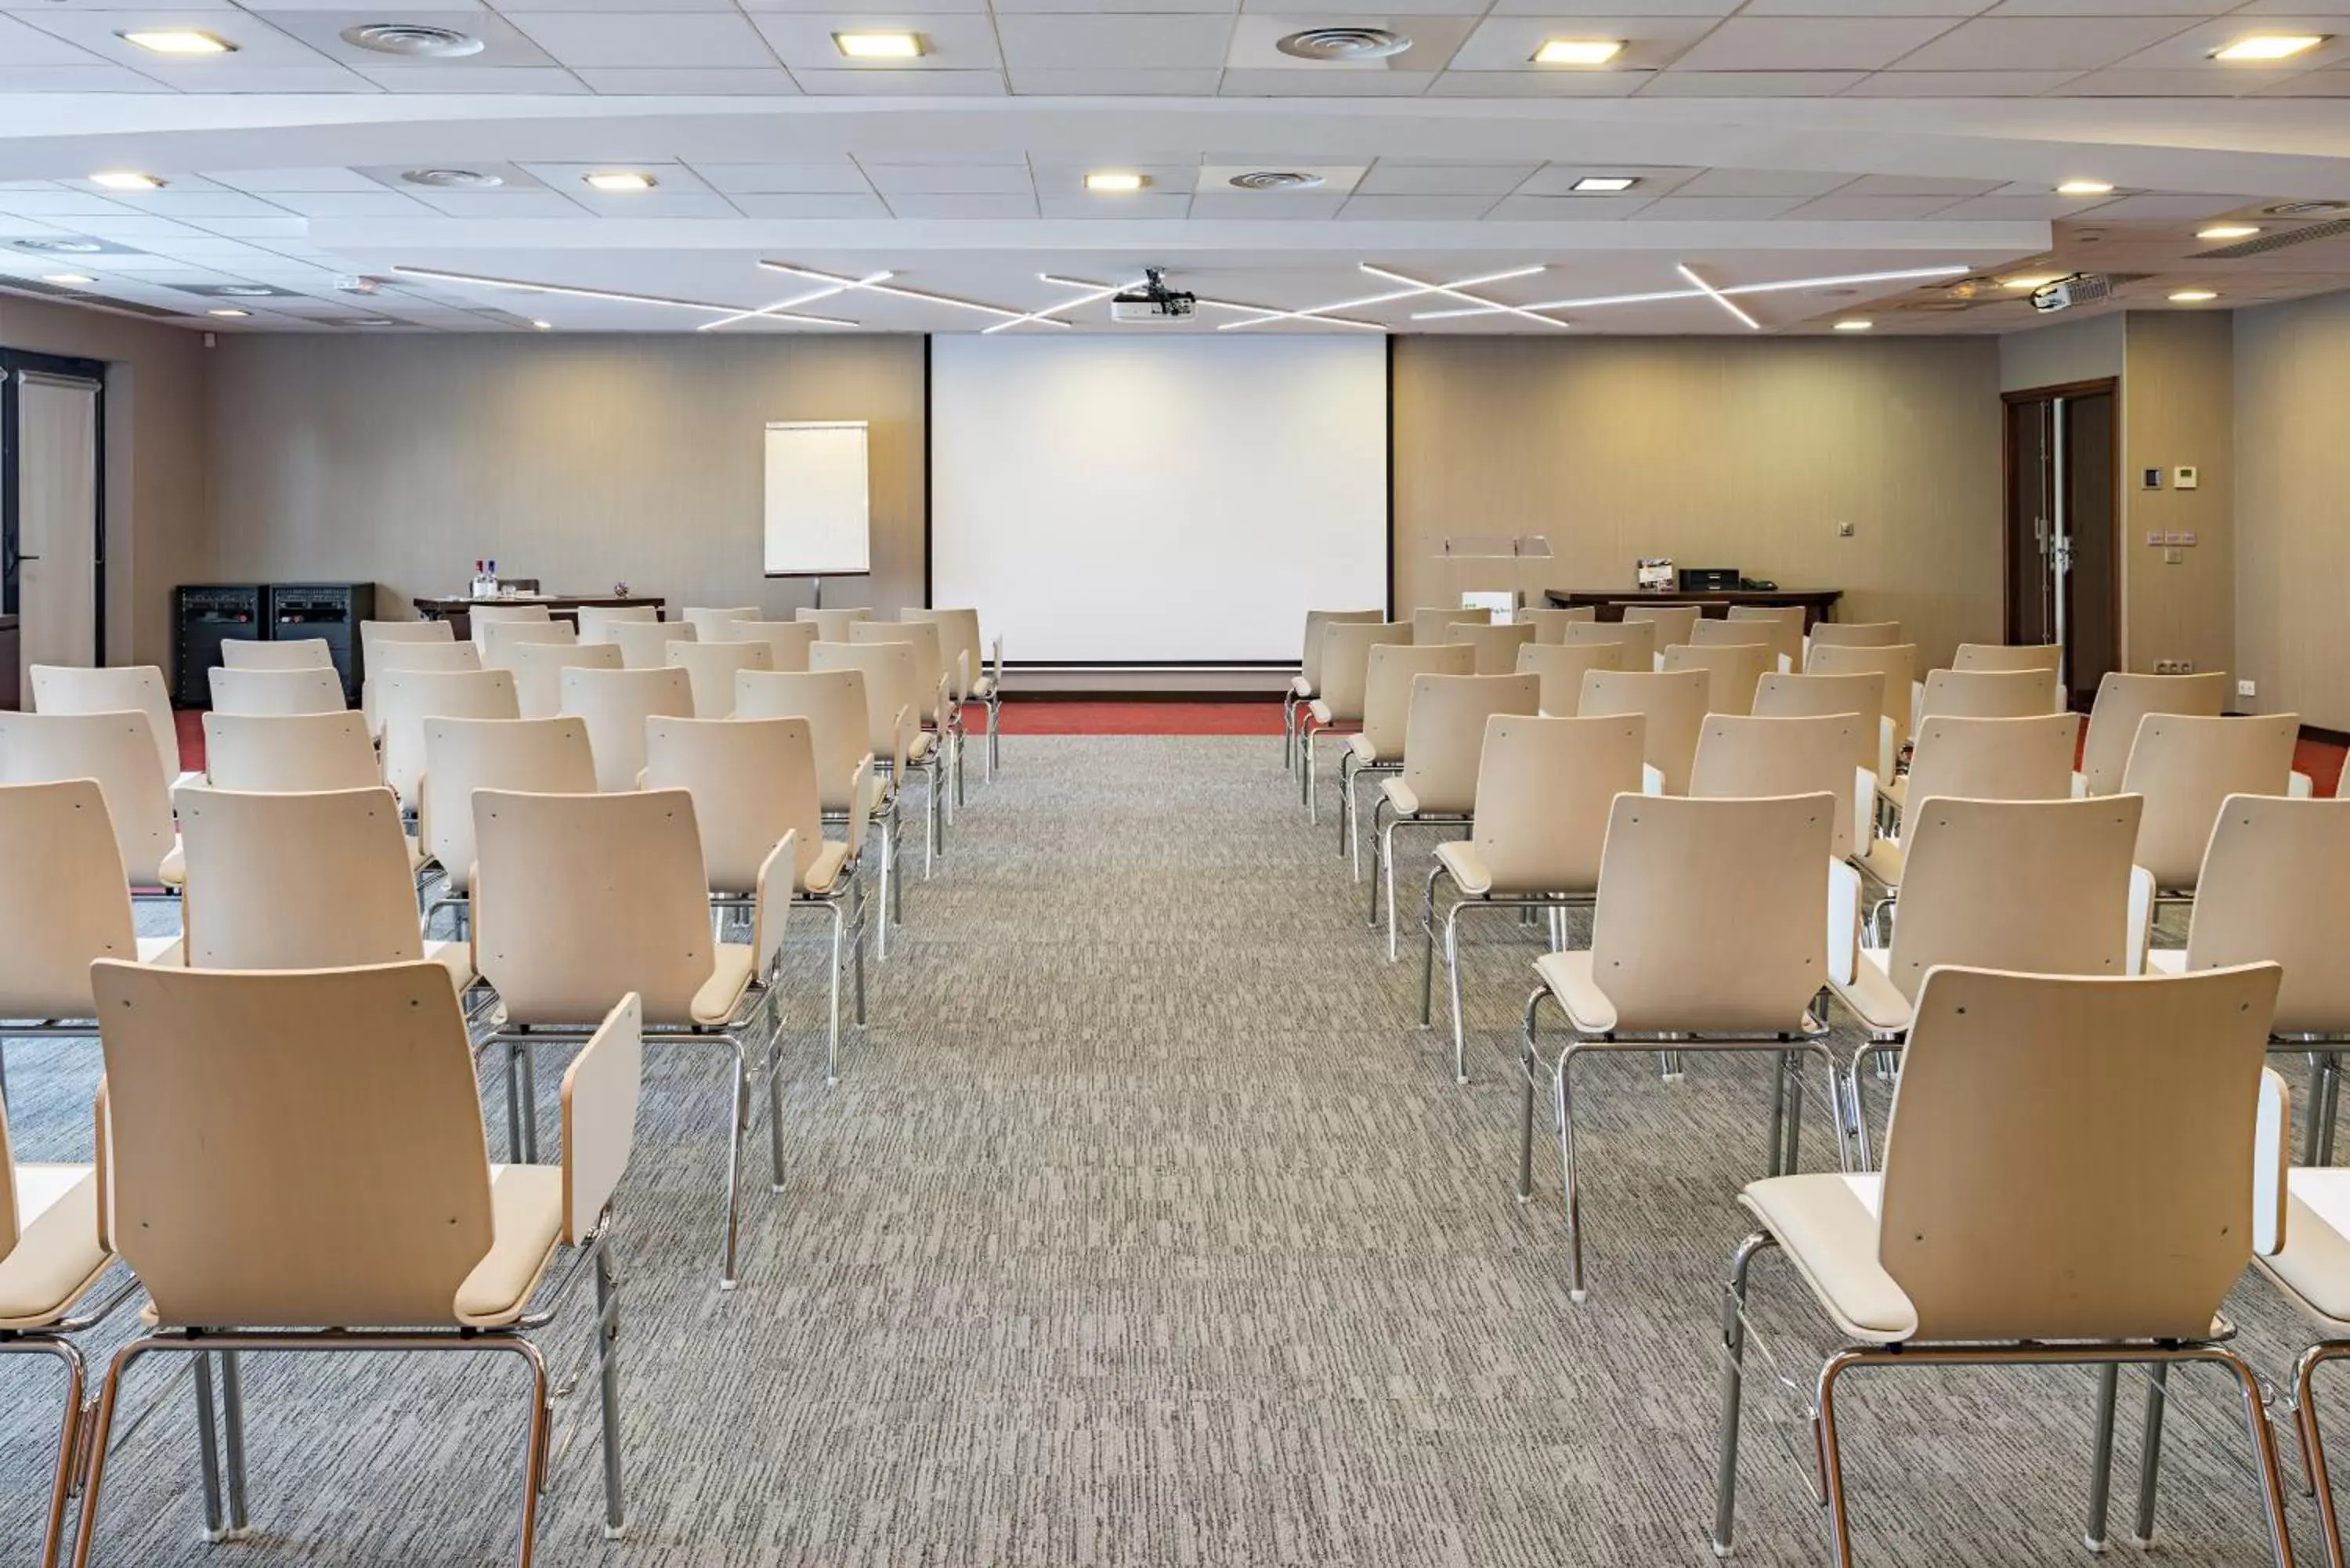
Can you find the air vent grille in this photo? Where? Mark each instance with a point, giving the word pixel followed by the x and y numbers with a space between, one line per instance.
pixel 1361 43
pixel 412 40
pixel 1276 180
pixel 2282 239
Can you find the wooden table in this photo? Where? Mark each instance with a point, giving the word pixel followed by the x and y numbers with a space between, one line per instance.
pixel 459 611
pixel 1817 603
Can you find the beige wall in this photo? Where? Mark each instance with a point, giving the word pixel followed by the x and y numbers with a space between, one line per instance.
pixel 581 461
pixel 1716 452
pixel 2293 528
pixel 2178 410
pixel 158 517
pixel 2087 349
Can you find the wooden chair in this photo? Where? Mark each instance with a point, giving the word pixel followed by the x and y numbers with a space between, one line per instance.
pixel 2123 699
pixel 971 671
pixel 1496 647
pixel 1377 749
pixel 121 689
pixel 1983 694
pixel 294 653
pixel 938 712
pixel 1972 759
pixel 2044 660
pixel 1897 663
pixel 1675 623
pixel 596 622
pixel 525 756
pixel 1550 625
pixel 710 668
pixel 262 1185
pixel 1727 963
pixel 402 653
pixel 1544 788
pixel 1673 705
pixel 788 641
pixel 1786 696
pixel 118 752
pixel 538 669
pixel 481 617
pixel 409 697
pixel 1561 667
pixel 1637 640
pixel 380 634
pixel 832 625
pixel 1306 684
pixel 286 753
pixel 1850 634
pixel 501 640
pixel 1786 624
pixel 644 644
pixel 1444 742
pixel 2186 768
pixel 1732 671
pixel 580 900
pixel 1743 634
pixel 716 624
pixel 1337 708
pixel 281 692
pixel 616 703
pixel 1740 757
pixel 2077 1172
pixel 1434 623
pixel 893 696
pixel 849 789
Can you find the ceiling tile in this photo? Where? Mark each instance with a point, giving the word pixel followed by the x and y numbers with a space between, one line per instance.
pixel 1960 84
pixel 1507 43
pixel 288 227
pixel 863 204
pixel 1417 209
pixel 1581 11
pixel 1558 179
pixel 1917 185
pixel 501 203
pixel 645 39
pixel 1816 43
pixel 1751 83
pixel 76 78
pixel 747 81
pixel 1716 209
pixel 804 41
pixel 417 78
pixel 174 203
pixel 24 45
pixel 274 79
pixel 2000 208
pixel 1840 208
pixel 1218 171
pixel 1256 38
pixel 1061 180
pixel 1161 41
pixel 910 84
pixel 1538 84
pixel 1525 209
pixel 894 179
pixel 2061 43
pixel 963 206
pixel 2316 84
pixel 322 29
pixel 2155 206
pixel 1255 205
pixel 350 205
pixel 1045 81
pixel 1764 183
pixel 266 181
pixel 1140 204
pixel 1101 7
pixel 1313 84
pixel 2190 49
pixel 2159 84
pixel 1867 7
pixel 1387 178
pixel 911 8
pixel 514 7
pixel 260 48
pixel 932 156
pixel 46 200
pixel 840 178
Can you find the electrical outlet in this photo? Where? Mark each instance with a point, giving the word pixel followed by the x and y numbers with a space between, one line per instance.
pixel 2246 689
pixel 2173 556
pixel 2174 666
pixel 1843 530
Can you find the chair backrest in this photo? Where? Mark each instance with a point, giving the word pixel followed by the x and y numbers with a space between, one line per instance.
pixel 2187 767
pixel 1433 623
pixel 117 750
pixel 538 669
pixel 380 634
pixel 305 880
pixel 1550 625
pixel 582 898
pixel 1674 623
pixel 616 703
pixel 1712 914
pixel 1986 694
pixel 294 653
pixel 644 644
pixel 832 625
pixel 1727 633
pixel 1674 706
pixel 2042 886
pixel 2043 659
pixel 1732 671
pixel 1994 759
pixel 1787 622
pixel 1783 696
pixel 406 698
pixel 1444 736
pixel 840 726
pixel 59 864
pixel 270 1172
pixel 710 668
pixel 959 646
pixel 1309 663
pixel 891 687
pixel 1562 667
pixel 1636 638
pixel 530 756
pixel 1346 662
pixel 597 621
pixel 274 690
pixel 788 641
pixel 1897 662
pixel 715 625
pixel 1496 646
pixel 1855 634
pixel 752 780
pixel 2123 699
pixel 930 660
pixel 297 751
pixel 1545 789
pixel 481 617
pixel 402 653
pixel 500 639
pixel 2073 1159
pixel 1740 757
pixel 1388 687
pixel 121 689
pixel 2276 885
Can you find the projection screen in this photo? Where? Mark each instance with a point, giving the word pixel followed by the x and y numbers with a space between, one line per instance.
pixel 1139 500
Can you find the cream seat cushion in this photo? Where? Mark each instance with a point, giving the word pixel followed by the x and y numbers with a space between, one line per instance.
pixel 920 746
pixel 2315 1266
pixel 163 951
pixel 457 958
pixel 1873 997
pixel 1568 975
pixel 1827 1224
pixel 526 1220
pixel 820 876
pixel 171 871
pixel 1885 862
pixel 729 977
pixel 58 1255
pixel 1459 859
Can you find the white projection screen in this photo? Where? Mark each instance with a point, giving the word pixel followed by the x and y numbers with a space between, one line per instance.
pixel 1137 500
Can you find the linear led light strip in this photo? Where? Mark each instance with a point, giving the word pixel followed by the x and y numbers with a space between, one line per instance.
pixel 1451 291
pixel 927 298
pixel 782 307
pixel 1719 297
pixel 1907 275
pixel 1322 312
pixel 1094 291
pixel 526 287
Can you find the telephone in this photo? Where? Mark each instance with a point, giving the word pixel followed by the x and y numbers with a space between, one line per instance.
pixel 1757 585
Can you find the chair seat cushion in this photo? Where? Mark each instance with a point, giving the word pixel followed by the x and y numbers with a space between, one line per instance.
pixel 1827 1224
pixel 1898 791
pixel 172 871
pixel 1873 997
pixel 919 747
pixel 1568 975
pixel 1459 859
pixel 1401 798
pixel 820 875
pixel 2314 1267
pixel 729 977
pixel 457 958
pixel 1885 862
pixel 163 951
pixel 57 1254
pixel 526 1219
pixel 417 858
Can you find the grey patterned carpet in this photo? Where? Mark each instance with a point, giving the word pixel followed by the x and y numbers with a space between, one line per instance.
pixel 1145 1231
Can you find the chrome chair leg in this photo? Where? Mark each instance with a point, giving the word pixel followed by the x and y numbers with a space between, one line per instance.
pixel 738 1116
pixel 1832 1457
pixel 1452 983
pixel 1732 1386
pixel 2313 1444
pixel 2101 1456
pixel 232 1440
pixel 832 1028
pixel 2150 1463
pixel 1387 870
pixel 1428 952
pixel 207 1455
pixel 1563 1106
pixel 1527 1062
pixel 606 1341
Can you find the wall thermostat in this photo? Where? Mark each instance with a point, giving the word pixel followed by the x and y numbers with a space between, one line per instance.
pixel 2183 478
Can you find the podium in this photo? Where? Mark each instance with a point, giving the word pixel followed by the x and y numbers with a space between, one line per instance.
pixel 1493 571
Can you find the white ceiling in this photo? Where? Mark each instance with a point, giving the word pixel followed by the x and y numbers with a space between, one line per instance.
pixel 1770 141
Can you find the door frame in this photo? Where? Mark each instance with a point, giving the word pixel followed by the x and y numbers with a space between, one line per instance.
pixel 12 360
pixel 2108 385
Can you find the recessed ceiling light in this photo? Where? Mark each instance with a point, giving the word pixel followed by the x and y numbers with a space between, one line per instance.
pixel 71 279
pixel 2084 188
pixel 543 326
pixel 1114 182
pixel 61 247
pixel 2266 47
pixel 177 41
pixel 453 179
pixel 371 321
pixel 412 40
pixel 2306 209
pixel 2227 231
pixel 1578 51
pixel 2193 296
pixel 243 290
pixel 621 179
pixel 879 45
pixel 125 180
pixel 2030 280
pixel 1600 185
pixel 1349 43
pixel 228 312
pixel 1854 325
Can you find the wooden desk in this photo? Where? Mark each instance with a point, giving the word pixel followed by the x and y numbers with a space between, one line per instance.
pixel 459 612
pixel 1817 603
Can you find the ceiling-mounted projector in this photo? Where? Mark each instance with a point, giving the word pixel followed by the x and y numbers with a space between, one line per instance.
pixel 2080 289
pixel 1154 303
